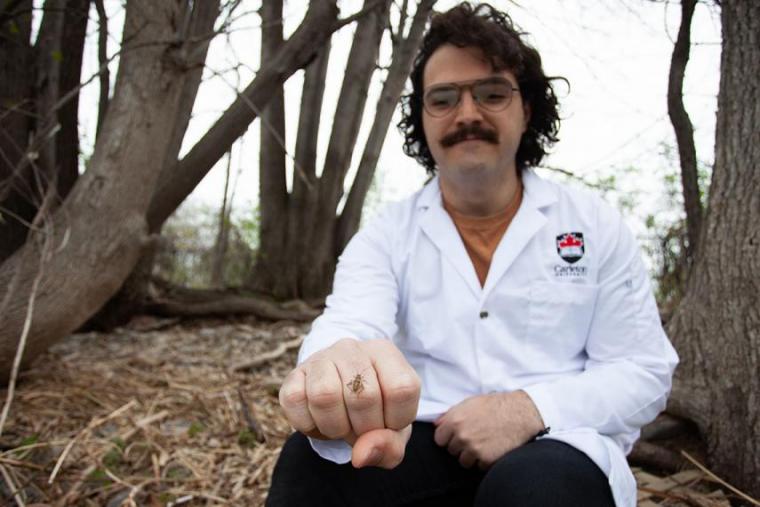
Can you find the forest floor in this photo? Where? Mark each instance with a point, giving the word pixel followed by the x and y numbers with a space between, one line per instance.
pixel 166 413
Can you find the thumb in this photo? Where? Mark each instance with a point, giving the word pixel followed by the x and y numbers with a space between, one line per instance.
pixel 382 448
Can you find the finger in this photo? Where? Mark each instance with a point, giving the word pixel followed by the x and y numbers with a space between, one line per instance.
pixel 294 402
pixel 399 383
pixel 324 393
pixel 382 448
pixel 443 434
pixel 361 391
pixel 456 446
pixel 467 459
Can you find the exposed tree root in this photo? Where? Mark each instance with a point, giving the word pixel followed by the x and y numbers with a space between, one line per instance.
pixel 664 427
pixel 648 455
pixel 184 302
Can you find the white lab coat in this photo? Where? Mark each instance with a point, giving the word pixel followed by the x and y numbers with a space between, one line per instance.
pixel 582 338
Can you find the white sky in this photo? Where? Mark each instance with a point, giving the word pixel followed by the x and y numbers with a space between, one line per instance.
pixel 615 54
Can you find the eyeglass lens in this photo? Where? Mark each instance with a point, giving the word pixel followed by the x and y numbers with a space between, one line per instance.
pixel 492 94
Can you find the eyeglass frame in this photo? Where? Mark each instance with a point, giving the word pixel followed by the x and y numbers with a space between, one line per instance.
pixel 463 85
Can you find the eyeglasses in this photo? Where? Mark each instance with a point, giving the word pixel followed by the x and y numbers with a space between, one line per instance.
pixel 492 94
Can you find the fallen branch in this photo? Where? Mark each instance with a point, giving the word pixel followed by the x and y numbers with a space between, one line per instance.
pixel 268 356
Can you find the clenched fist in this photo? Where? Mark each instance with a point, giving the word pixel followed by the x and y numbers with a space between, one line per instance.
pixel 364 392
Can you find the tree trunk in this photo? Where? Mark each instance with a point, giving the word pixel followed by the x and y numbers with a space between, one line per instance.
pixel 401 65
pixel 318 262
pixel 304 196
pixel 17 197
pixel 197 30
pixel 222 233
pixel 273 191
pixel 716 328
pixel 316 232
pixel 99 232
pixel 179 179
pixel 684 130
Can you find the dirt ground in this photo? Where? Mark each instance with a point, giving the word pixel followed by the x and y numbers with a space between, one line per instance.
pixel 165 413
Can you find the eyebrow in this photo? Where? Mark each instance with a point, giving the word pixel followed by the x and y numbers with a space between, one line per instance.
pixel 495 77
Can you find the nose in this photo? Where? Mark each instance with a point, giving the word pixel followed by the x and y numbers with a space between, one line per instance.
pixel 468 110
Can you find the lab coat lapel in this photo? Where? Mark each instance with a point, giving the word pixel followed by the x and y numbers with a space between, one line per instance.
pixel 440 229
pixel 526 223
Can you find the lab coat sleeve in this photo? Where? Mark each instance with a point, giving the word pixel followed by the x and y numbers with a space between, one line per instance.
pixel 627 375
pixel 362 306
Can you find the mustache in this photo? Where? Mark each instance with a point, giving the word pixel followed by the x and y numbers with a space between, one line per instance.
pixel 473 131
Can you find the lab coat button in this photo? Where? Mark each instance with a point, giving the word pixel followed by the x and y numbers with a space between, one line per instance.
pixel 483 314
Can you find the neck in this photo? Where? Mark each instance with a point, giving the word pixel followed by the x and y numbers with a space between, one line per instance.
pixel 480 198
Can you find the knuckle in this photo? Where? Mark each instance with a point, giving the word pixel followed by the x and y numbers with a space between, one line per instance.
pixel 325 397
pixel 364 402
pixel 403 390
pixel 291 396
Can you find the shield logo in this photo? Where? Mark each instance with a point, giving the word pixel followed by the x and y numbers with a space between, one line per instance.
pixel 570 246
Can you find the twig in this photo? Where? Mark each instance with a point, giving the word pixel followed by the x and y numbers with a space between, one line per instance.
pixel 23 464
pixel 27 321
pixel 93 424
pixel 253 426
pixel 15 492
pixel 353 17
pixel 718 479
pixel 268 356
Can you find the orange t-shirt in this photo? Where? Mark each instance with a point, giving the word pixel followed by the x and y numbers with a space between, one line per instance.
pixel 481 235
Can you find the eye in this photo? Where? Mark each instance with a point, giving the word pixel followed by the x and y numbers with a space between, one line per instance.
pixel 441 98
pixel 492 93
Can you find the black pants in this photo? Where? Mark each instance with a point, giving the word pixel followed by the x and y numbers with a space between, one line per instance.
pixel 542 473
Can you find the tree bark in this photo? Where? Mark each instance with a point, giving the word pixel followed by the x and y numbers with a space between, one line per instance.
pixel 684 130
pixel 403 56
pixel 17 110
pixel 222 233
pixel 105 75
pixel 196 29
pixel 716 328
pixel 273 191
pixel 99 232
pixel 303 198
pixel 74 33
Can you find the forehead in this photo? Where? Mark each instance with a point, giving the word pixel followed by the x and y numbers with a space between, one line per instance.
pixel 450 64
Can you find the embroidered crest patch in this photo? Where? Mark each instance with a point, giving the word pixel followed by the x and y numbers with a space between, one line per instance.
pixel 570 246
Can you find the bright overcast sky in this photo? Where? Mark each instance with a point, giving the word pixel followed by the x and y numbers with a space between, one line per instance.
pixel 615 54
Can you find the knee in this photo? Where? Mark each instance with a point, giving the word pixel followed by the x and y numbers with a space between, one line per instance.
pixel 544 473
pixel 292 478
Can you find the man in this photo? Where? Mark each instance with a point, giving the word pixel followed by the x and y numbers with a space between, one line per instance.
pixel 491 340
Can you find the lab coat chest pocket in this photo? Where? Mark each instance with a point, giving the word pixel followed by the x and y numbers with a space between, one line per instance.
pixel 560 316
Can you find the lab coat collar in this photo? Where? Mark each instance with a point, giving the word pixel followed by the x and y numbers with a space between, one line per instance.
pixel 438 226
pixel 530 218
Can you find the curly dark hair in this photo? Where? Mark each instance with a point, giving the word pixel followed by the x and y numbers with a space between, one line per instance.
pixel 494 33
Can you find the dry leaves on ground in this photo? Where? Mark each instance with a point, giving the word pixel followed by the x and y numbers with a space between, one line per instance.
pixel 162 413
